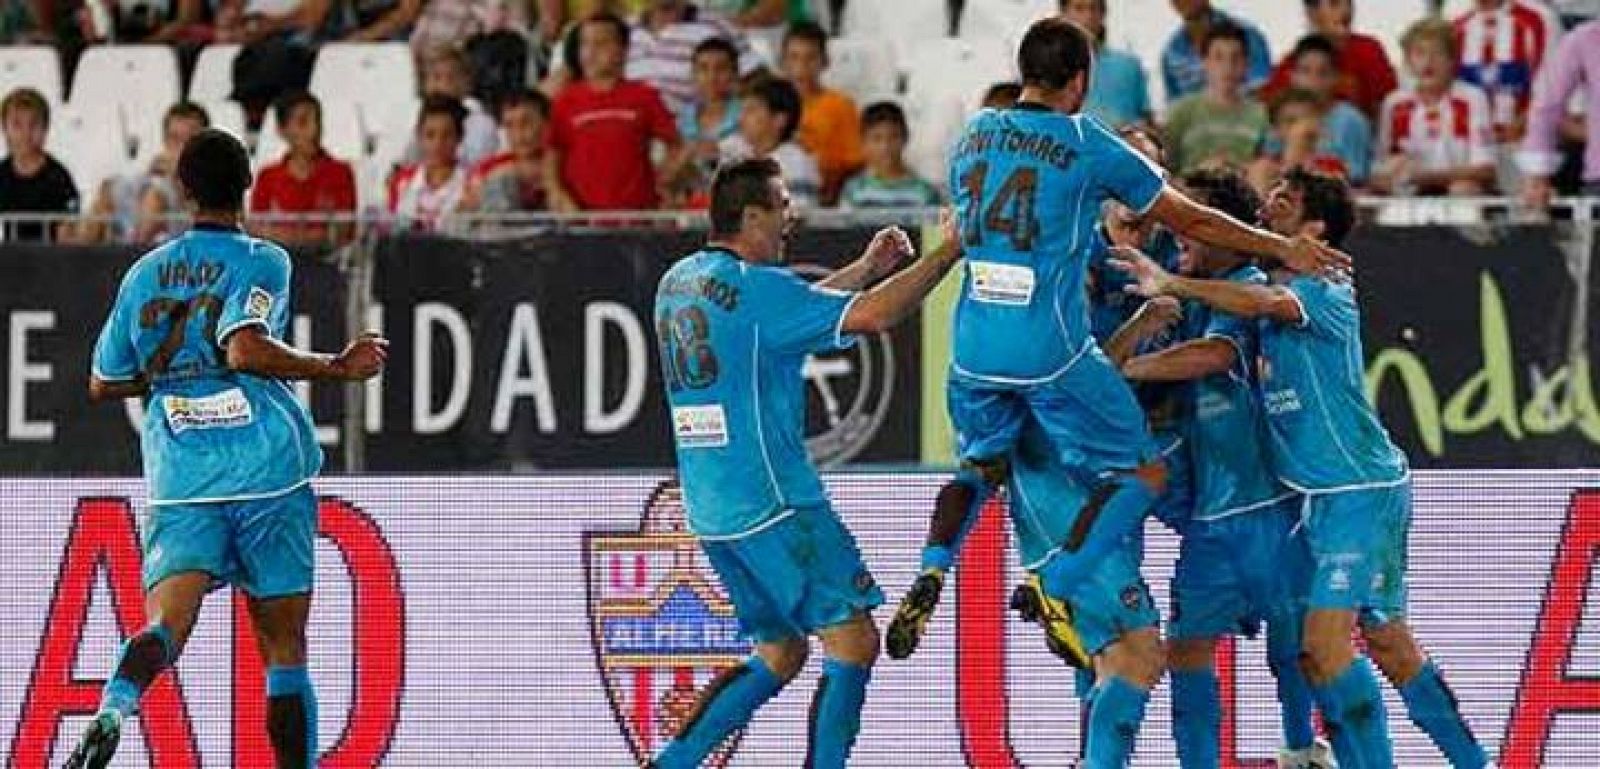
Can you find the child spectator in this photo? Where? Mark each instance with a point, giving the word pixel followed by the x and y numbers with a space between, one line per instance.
pixel 830 128
pixel 1345 132
pixel 306 180
pixel 134 207
pixel 661 52
pixel 601 128
pixel 711 116
pixel 1298 140
pixel 446 72
pixel 1118 93
pixel 31 181
pixel 514 180
pixel 767 123
pixel 1500 45
pixel 1364 76
pixel 886 182
pixel 425 193
pixel 1221 123
pixel 1183 59
pixel 1435 137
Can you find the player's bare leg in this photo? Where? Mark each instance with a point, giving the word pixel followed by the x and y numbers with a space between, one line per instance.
pixel 851 648
pixel 1429 700
pixel 1126 671
pixel 280 629
pixel 171 607
pixel 1346 690
pixel 728 702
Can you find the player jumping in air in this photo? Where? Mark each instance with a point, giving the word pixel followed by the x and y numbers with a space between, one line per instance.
pixel 1241 562
pixel 1029 182
pixel 1326 442
pixel 735 327
pixel 229 452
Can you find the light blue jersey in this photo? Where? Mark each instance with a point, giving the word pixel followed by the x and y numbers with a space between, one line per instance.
pixel 733 338
pixel 1325 435
pixel 210 434
pixel 1227 440
pixel 1029 183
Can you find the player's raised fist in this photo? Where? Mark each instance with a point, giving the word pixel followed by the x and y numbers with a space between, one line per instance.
pixel 363 358
pixel 888 247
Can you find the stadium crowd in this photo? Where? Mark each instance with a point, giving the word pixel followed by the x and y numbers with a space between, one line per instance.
pixel 604 105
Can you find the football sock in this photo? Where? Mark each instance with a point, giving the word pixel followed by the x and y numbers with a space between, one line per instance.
pixel 1196 717
pixel 836 713
pixel 1114 723
pixel 1294 697
pixel 1433 708
pixel 1352 707
pixel 141 659
pixel 726 705
pixel 292 716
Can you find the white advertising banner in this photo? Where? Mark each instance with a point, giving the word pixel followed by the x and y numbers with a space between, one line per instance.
pixel 566 621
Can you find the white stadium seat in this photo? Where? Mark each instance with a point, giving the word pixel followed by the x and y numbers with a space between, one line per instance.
pixel 904 25
pixel 945 86
pixel 212 80
pixel 377 79
pixel 863 67
pixel 90 152
pixel 34 66
pixel 226 114
pixel 1002 20
pixel 139 77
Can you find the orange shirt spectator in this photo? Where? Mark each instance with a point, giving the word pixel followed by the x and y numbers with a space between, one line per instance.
pixel 830 125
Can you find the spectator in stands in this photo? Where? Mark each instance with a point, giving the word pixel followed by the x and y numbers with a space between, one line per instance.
pixel 362 21
pixel 446 72
pixel 136 207
pixel 1346 133
pixel 1575 63
pixel 830 127
pixel 886 182
pixel 558 18
pixel 1299 139
pixel 1434 137
pixel 1363 72
pixel 423 194
pixel 761 14
pixel 768 119
pixel 661 51
pixel 27 23
pixel 1222 123
pixel 1002 95
pixel 1183 70
pixel 1500 47
pixel 1118 93
pixel 713 115
pixel 514 180
pixel 453 22
pixel 307 180
pixel 31 181
pixel 601 128
pixel 565 66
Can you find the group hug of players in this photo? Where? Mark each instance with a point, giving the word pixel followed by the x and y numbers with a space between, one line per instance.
pixel 1254 440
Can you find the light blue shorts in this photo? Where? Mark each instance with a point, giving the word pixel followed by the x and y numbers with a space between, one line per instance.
pixel 1358 542
pixel 265 547
pixel 1237 572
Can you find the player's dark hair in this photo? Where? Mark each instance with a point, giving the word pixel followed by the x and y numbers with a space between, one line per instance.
pixel 737 185
pixel 214 169
pixel 1314 43
pixel 526 97
pixel 779 96
pixel 446 106
pixel 1224 31
pixel 1225 189
pixel 1004 93
pixel 186 110
pixel 808 32
pixel 720 45
pixel 885 113
pixel 1326 199
pixel 616 23
pixel 1053 52
pixel 286 104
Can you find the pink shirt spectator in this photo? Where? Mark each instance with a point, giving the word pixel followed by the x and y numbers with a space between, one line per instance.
pixel 1451 132
pixel 1501 51
pixel 1575 62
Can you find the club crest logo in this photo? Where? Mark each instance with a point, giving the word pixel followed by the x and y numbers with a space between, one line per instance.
pixel 661 626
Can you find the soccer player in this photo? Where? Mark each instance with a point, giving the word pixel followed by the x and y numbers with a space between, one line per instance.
pixel 735 327
pixel 1029 182
pixel 1326 442
pixel 1240 562
pixel 229 452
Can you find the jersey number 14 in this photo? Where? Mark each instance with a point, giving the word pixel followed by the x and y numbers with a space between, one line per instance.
pixel 1011 211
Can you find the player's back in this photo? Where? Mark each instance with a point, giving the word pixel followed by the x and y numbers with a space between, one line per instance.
pixel 210 433
pixel 1028 183
pixel 733 339
pixel 1325 434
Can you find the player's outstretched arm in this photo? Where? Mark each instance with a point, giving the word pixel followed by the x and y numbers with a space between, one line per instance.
pixel 1302 253
pixel 1152 318
pixel 1184 362
pixel 251 350
pixel 882 255
pixel 881 308
pixel 1242 299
